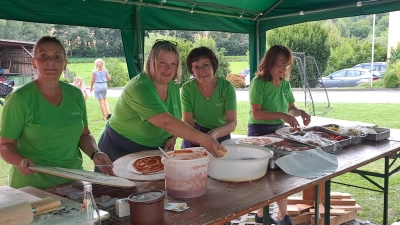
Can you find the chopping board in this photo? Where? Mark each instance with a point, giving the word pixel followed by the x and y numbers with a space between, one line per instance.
pixel 68 214
pixel 83 175
pixel 120 167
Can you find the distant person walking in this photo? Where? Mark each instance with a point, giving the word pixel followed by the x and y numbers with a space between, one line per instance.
pixel 80 83
pixel 100 76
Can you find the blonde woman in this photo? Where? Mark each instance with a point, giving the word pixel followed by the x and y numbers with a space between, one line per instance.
pixel 100 76
pixel 80 83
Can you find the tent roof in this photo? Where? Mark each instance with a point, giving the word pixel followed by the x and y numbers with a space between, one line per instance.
pixel 214 15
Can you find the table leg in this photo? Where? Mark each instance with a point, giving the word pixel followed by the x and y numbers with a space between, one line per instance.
pixel 317 202
pixel 266 215
pixel 386 191
pixel 327 204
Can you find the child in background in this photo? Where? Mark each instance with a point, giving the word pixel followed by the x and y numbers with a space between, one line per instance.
pixel 80 83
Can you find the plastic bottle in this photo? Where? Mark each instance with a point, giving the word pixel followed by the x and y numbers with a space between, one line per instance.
pixel 90 213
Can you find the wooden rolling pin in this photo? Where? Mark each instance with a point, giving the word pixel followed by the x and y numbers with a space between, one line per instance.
pixel 45 205
pixel 22 212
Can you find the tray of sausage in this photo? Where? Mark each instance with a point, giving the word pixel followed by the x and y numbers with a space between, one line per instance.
pixel 330 143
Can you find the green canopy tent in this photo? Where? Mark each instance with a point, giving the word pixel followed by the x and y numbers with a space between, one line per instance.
pixel 132 17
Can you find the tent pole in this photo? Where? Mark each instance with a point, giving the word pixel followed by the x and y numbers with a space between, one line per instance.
pixel 258 42
pixel 139 37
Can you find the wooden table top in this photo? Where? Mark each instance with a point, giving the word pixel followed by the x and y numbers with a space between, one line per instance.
pixel 225 201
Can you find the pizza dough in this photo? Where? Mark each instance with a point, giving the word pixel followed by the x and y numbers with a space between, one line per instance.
pixel 147 164
pixel 259 141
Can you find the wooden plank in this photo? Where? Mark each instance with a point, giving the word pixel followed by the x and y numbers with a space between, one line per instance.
pixel 300 219
pixel 347 207
pixel 343 201
pixel 333 212
pixel 337 220
pixel 304 207
pixel 309 193
pixel 292 210
pixel 83 175
pixel 292 200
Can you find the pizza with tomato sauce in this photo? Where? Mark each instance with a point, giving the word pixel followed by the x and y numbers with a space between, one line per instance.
pixel 260 141
pixel 146 165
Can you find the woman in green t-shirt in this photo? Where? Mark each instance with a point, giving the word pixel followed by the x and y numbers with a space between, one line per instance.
pixel 208 102
pixel 272 104
pixel 44 123
pixel 148 112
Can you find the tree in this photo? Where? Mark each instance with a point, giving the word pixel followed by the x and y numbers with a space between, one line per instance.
pixel 310 38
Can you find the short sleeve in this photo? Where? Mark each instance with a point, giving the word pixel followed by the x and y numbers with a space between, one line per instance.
pixel 186 103
pixel 13 116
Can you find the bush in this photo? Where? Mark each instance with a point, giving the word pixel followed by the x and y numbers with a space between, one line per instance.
pixel 394 54
pixel 236 80
pixel 392 75
pixel 375 84
pixel 119 74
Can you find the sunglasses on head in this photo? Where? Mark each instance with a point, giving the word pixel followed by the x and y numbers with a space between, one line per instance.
pixel 161 41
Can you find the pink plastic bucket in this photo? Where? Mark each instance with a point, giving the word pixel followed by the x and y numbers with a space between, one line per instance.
pixel 186 173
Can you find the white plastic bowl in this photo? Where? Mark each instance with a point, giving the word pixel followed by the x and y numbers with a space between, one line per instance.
pixel 240 163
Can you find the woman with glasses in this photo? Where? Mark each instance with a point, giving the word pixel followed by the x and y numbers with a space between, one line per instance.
pixel 272 104
pixel 147 115
pixel 208 102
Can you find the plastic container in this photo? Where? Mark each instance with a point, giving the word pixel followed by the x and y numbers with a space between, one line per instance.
pixel 241 163
pixel 186 173
pixel 147 208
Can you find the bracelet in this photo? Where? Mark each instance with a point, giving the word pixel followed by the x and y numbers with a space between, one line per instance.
pixel 92 155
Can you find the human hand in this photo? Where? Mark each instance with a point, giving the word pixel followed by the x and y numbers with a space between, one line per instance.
pixel 215 148
pixel 306 117
pixel 170 143
pixel 101 158
pixel 91 90
pixel 291 120
pixel 24 167
pixel 213 134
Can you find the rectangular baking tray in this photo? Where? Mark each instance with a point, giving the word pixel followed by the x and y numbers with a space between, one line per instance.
pixel 280 151
pixel 343 143
pixel 353 140
pixel 381 134
pixel 328 148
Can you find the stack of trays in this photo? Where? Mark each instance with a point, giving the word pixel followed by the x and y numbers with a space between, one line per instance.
pixel 381 134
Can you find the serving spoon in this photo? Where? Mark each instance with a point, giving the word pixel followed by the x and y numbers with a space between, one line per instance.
pixel 162 150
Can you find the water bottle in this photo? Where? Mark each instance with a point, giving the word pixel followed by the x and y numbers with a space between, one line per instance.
pixel 90 213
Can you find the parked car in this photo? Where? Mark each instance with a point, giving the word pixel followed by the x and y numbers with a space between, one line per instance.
pixel 349 77
pixel 378 66
pixel 245 74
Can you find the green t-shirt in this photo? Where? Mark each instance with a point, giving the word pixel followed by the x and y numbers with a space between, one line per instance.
pixel 47 134
pixel 140 101
pixel 209 113
pixel 271 98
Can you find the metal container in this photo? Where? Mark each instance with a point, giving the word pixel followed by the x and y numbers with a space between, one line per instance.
pixel 343 143
pixel 353 139
pixel 381 134
pixel 240 163
pixel 271 163
pixel 147 208
pixel 332 148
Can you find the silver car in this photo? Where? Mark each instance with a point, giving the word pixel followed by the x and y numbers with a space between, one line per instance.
pixel 348 78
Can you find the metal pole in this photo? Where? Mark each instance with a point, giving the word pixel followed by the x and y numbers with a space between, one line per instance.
pixel 373 45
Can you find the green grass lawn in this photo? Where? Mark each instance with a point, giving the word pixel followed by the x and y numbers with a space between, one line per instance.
pixel 385 115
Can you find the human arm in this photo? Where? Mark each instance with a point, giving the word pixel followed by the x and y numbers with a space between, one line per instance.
pixel 108 76
pixel 88 145
pixel 227 128
pixel 85 93
pixel 294 111
pixel 92 83
pixel 10 154
pixel 185 131
pixel 260 114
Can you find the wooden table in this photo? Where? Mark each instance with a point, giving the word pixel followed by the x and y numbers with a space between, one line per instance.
pixel 226 201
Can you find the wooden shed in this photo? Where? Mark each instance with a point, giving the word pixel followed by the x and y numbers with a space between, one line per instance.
pixel 15 61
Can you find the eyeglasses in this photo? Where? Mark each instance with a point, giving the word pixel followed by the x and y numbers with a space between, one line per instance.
pixel 161 41
pixel 204 67
pixel 282 66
